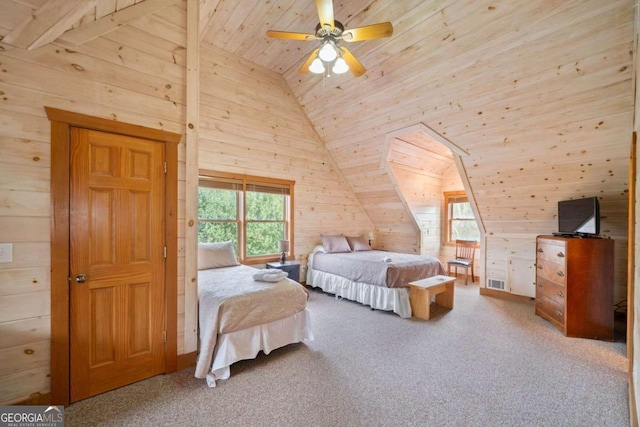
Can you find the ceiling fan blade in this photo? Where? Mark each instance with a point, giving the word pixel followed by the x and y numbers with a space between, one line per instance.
pixel 290 36
pixel 305 67
pixel 325 13
pixel 375 31
pixel 356 68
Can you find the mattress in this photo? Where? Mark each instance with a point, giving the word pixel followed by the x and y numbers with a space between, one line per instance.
pixel 231 300
pixel 379 268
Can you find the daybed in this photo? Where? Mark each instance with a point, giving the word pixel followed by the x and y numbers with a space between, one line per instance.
pixel 349 268
pixel 239 316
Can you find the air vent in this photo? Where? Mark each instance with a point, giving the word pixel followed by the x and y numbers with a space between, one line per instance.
pixel 496 284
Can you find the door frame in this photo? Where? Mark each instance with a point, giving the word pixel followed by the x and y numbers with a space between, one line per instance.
pixel 61 124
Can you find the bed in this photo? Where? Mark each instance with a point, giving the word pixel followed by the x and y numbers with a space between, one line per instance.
pixel 349 268
pixel 240 316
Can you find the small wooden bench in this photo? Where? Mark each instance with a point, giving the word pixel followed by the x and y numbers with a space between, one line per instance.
pixel 421 291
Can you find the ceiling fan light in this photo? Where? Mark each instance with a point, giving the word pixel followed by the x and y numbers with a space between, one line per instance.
pixel 316 66
pixel 340 66
pixel 328 52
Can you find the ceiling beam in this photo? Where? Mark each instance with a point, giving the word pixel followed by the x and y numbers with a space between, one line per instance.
pixel 111 22
pixel 48 22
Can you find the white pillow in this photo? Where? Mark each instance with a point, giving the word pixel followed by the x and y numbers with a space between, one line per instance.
pixel 335 244
pixel 214 255
pixel 358 243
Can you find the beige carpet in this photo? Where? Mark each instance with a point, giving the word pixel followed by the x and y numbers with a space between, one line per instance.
pixel 488 362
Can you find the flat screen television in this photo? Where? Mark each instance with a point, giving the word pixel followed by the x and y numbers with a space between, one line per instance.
pixel 579 217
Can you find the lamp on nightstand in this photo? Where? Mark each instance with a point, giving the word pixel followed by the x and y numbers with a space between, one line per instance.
pixel 283 246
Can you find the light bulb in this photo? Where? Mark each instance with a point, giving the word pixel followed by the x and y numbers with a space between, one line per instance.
pixel 316 66
pixel 327 52
pixel 340 66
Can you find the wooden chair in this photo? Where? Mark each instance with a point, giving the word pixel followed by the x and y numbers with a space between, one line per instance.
pixel 465 252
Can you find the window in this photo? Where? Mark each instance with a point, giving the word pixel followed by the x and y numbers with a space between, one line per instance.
pixel 254 212
pixel 460 220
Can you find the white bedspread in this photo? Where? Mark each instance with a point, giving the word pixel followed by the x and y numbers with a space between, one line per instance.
pixel 231 300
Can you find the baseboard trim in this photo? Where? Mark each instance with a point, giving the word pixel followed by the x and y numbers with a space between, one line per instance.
pixel 36 399
pixel 504 295
pixel 187 360
pixel 184 361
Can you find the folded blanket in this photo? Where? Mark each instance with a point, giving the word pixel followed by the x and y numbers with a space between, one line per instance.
pixel 270 275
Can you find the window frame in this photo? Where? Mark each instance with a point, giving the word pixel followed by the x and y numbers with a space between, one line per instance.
pixel 245 183
pixel 454 197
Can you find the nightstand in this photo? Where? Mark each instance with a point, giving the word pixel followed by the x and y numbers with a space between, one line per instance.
pixel 291 267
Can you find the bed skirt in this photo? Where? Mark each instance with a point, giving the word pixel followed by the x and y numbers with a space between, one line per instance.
pixel 378 297
pixel 245 344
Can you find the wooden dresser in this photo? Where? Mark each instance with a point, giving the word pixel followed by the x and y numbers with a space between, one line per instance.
pixel 574 285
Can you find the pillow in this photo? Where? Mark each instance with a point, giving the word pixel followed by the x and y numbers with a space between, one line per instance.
pixel 334 244
pixel 358 243
pixel 214 255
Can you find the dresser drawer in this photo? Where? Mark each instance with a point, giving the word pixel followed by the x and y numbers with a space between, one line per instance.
pixel 551 250
pixel 551 290
pixel 550 308
pixel 551 271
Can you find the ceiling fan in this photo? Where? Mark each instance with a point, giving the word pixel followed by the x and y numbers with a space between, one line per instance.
pixel 330 33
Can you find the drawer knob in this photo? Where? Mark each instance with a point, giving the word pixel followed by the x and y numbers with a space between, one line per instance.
pixel 539 301
pixel 560 255
pixel 560 294
pixel 539 284
pixel 558 313
pixel 539 266
pixel 561 273
pixel 540 250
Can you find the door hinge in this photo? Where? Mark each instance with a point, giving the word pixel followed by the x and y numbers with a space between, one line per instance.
pixel 165 167
pixel 164 336
pixel 165 252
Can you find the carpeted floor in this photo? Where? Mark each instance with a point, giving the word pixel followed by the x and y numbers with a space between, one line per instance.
pixel 488 362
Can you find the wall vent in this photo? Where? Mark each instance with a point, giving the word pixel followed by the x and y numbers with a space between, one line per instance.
pixel 496 284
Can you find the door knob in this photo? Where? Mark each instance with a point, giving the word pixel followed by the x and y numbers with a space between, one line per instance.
pixel 81 278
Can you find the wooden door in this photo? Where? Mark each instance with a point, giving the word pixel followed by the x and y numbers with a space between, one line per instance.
pixel 117 261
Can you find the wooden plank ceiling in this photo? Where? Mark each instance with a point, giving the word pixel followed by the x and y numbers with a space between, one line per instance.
pixel 539 93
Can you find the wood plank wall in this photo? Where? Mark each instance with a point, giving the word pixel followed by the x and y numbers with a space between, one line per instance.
pixel 134 75
pixel 538 93
pixel 250 123
pixel 417 175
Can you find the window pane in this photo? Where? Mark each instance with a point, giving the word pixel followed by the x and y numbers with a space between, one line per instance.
pixel 263 237
pixel 210 232
pixel 217 204
pixel 462 211
pixel 465 230
pixel 265 206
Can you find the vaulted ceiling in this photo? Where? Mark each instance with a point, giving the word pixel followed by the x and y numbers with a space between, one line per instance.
pixel 538 94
